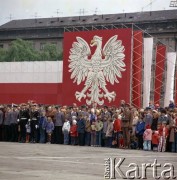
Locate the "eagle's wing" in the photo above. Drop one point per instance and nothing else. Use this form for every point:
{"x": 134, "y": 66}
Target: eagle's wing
{"x": 113, "y": 63}
{"x": 79, "y": 64}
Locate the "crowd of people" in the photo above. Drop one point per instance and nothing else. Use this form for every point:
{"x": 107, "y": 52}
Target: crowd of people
{"x": 151, "y": 129}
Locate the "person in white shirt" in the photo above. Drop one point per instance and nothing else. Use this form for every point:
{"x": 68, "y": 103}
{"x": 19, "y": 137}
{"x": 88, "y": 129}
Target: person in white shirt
{"x": 66, "y": 129}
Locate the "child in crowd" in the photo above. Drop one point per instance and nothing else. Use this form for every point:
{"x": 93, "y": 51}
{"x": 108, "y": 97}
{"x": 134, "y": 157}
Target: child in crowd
{"x": 121, "y": 141}
{"x": 163, "y": 134}
{"x": 147, "y": 136}
{"x": 66, "y": 130}
{"x": 73, "y": 132}
{"x": 155, "y": 140}
{"x": 28, "y": 131}
{"x": 98, "y": 129}
{"x": 49, "y": 129}
{"x": 93, "y": 134}
{"x": 135, "y": 121}
{"x": 117, "y": 128}
{"x": 133, "y": 141}
{"x": 140, "y": 127}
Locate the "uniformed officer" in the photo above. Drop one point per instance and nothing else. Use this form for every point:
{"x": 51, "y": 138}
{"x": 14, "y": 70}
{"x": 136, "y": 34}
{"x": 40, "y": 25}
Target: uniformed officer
{"x": 34, "y": 117}
{"x": 23, "y": 118}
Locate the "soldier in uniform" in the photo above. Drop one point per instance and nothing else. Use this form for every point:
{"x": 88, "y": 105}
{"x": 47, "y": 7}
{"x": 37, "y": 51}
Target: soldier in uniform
{"x": 13, "y": 124}
{"x": 127, "y": 119}
{"x": 34, "y": 117}
{"x": 23, "y": 118}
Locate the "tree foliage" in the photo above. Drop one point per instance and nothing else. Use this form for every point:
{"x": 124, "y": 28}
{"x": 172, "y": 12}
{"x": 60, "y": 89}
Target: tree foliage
{"x": 21, "y": 50}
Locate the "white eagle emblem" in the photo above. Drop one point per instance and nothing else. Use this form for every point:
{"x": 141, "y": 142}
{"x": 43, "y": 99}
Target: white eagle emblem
{"x": 104, "y": 65}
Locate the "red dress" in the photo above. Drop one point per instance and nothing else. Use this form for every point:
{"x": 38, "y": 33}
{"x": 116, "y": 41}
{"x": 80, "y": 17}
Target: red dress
{"x": 73, "y": 131}
{"x": 117, "y": 125}
{"x": 155, "y": 139}
{"x": 162, "y": 130}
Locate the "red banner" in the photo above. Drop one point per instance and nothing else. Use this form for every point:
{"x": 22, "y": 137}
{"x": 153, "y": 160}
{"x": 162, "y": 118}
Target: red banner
{"x": 42, "y": 93}
{"x": 97, "y": 67}
{"x": 159, "y": 70}
{"x": 137, "y": 68}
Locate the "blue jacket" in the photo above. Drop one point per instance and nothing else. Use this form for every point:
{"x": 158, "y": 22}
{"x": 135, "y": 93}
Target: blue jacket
{"x": 49, "y": 127}
{"x": 81, "y": 126}
{"x": 171, "y": 105}
{"x": 42, "y": 122}
{"x": 140, "y": 128}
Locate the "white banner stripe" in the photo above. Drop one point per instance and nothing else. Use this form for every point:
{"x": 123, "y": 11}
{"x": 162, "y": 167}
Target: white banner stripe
{"x": 169, "y": 89}
{"x": 148, "y": 51}
{"x": 31, "y": 72}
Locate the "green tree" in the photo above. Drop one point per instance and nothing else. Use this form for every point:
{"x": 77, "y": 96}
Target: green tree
{"x": 3, "y": 55}
{"x": 50, "y": 53}
{"x": 22, "y": 50}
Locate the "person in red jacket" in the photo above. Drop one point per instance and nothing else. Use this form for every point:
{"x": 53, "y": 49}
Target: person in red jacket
{"x": 155, "y": 140}
{"x": 73, "y": 132}
{"x": 163, "y": 134}
{"x": 117, "y": 128}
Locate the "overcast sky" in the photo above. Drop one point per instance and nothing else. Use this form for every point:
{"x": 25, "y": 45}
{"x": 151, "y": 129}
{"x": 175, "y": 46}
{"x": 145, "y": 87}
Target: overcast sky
{"x": 27, "y": 9}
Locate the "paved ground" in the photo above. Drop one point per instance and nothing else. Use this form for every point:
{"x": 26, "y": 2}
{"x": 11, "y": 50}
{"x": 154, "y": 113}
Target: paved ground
{"x": 60, "y": 162}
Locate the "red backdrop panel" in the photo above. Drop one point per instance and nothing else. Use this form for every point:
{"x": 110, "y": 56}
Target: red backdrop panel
{"x": 137, "y": 68}
{"x": 45, "y": 93}
{"x": 122, "y": 89}
{"x": 159, "y": 70}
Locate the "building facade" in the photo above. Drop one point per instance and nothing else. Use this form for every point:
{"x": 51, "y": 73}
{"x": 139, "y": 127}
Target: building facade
{"x": 160, "y": 24}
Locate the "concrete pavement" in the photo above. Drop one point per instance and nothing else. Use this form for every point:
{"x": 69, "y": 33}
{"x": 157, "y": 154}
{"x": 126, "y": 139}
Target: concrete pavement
{"x": 61, "y": 162}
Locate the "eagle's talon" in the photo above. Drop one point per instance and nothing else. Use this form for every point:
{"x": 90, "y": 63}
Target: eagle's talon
{"x": 80, "y": 95}
{"x": 110, "y": 96}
